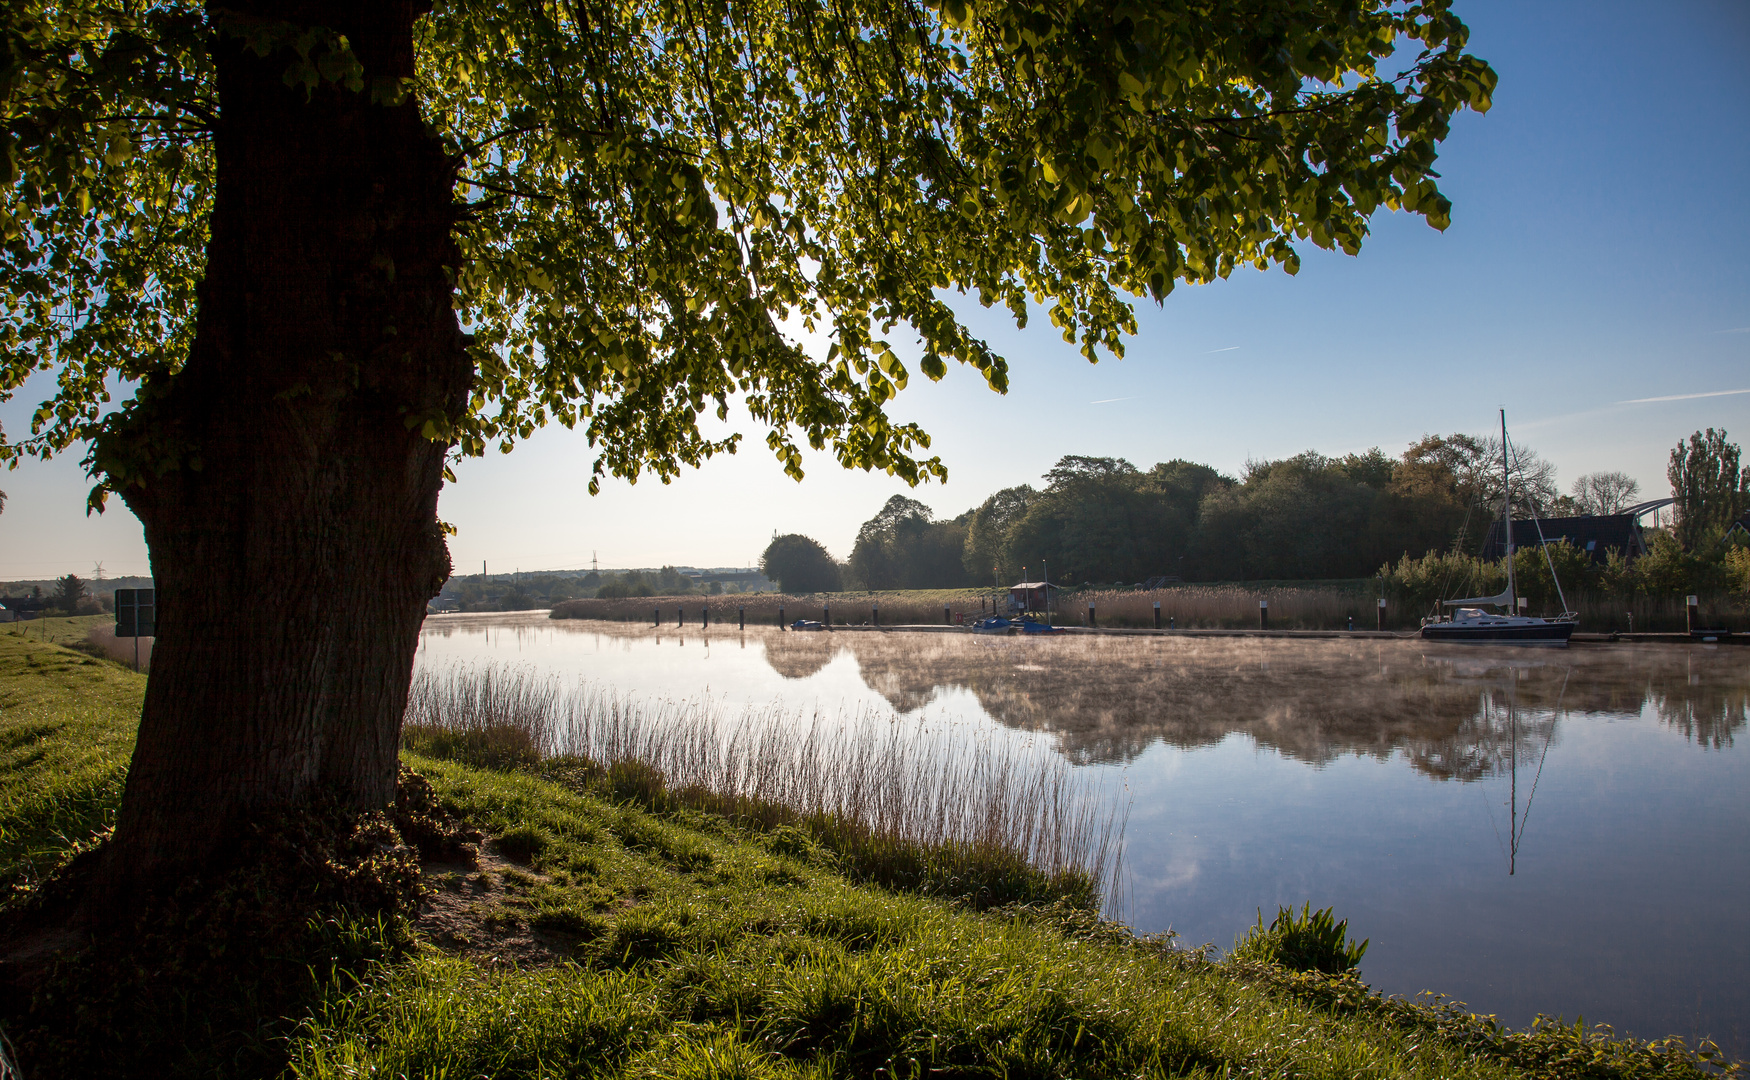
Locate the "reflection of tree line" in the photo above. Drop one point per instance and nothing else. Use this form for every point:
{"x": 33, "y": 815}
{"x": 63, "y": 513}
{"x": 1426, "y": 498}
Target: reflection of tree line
{"x": 1107, "y": 699}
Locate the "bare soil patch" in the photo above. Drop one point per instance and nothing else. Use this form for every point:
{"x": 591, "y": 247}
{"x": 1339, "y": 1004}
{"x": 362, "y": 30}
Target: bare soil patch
{"x": 467, "y": 911}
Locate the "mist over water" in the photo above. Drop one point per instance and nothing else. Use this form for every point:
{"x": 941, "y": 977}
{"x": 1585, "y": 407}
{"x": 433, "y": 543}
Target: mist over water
{"x": 1523, "y": 830}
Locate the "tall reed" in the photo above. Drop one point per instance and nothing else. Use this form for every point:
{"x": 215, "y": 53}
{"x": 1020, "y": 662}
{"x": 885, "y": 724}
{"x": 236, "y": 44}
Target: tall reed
{"x": 102, "y": 640}
{"x": 934, "y": 814}
{"x": 1226, "y": 607}
{"x": 914, "y": 607}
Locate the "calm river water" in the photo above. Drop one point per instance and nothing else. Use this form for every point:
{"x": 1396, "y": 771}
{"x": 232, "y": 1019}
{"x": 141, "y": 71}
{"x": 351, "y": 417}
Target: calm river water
{"x": 1526, "y": 831}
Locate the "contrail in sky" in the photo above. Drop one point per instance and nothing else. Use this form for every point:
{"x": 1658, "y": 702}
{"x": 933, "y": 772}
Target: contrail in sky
{"x": 1683, "y": 397}
{"x": 1735, "y": 330}
{"x": 1230, "y": 348}
{"x": 1110, "y": 400}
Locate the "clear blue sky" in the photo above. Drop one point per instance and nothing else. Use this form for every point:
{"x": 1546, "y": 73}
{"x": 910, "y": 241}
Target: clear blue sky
{"x": 1599, "y": 254}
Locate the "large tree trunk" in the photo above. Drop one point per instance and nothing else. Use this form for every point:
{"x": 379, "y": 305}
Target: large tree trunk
{"x": 294, "y": 533}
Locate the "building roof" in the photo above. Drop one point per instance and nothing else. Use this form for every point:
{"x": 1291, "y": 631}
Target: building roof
{"x": 1594, "y": 535}
{"x": 1032, "y": 585}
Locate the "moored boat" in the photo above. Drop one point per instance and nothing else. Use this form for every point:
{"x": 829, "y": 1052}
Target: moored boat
{"x": 993, "y": 624}
{"x": 1475, "y": 625}
{"x": 1469, "y": 623}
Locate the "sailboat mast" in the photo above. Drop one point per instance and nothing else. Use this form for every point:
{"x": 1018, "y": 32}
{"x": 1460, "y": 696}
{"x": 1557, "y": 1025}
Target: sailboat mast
{"x": 1513, "y": 790}
{"x": 1507, "y": 518}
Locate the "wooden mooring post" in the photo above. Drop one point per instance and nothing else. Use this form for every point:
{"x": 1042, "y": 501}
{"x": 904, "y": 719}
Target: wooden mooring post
{"x": 780, "y": 616}
{"x": 947, "y": 615}
{"x": 1382, "y": 613}
{"x": 1091, "y": 621}
{"x": 826, "y": 616}
{"x": 705, "y": 618}
{"x": 680, "y": 616}
{"x": 656, "y": 617}
{"x": 1692, "y": 613}
{"x": 741, "y": 618}
{"x": 875, "y": 615}
{"x": 1157, "y": 614}
{"x": 1263, "y": 614}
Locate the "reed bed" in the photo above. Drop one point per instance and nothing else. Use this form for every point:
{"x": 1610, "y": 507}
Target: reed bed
{"x": 1600, "y": 612}
{"x": 1226, "y": 607}
{"x": 927, "y": 813}
{"x": 1293, "y": 606}
{"x": 910, "y": 608}
{"x": 1603, "y": 612}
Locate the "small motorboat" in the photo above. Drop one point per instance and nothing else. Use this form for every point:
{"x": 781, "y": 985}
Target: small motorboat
{"x": 1028, "y": 626}
{"x": 993, "y": 624}
{"x": 808, "y": 624}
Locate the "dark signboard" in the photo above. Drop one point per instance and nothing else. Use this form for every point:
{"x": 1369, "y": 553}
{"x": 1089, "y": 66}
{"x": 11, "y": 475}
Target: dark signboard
{"x": 136, "y": 612}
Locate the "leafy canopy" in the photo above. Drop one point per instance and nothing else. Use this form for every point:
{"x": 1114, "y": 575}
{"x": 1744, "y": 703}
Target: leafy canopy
{"x": 799, "y": 564}
{"x": 660, "y": 198}
{"x": 1710, "y": 488}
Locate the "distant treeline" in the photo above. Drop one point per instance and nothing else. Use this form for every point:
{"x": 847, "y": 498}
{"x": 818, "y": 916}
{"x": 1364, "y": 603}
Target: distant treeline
{"x": 1105, "y": 520}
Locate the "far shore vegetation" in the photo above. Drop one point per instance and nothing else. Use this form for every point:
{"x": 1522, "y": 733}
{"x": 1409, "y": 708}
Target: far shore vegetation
{"x": 582, "y": 912}
{"x": 1306, "y": 517}
{"x": 1645, "y": 596}
{"x": 1322, "y": 538}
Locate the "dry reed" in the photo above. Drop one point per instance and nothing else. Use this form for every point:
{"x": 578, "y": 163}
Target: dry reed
{"x": 102, "y": 640}
{"x": 1293, "y": 606}
{"x": 1226, "y": 607}
{"x": 931, "y": 813}
{"x": 916, "y": 607}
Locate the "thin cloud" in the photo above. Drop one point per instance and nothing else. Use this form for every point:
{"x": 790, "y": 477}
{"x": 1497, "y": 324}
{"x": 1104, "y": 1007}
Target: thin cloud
{"x": 1110, "y": 400}
{"x": 1683, "y": 397}
{"x": 1230, "y": 348}
{"x": 1735, "y": 330}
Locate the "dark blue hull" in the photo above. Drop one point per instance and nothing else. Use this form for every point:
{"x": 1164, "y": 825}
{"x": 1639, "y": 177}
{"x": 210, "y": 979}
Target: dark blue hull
{"x": 1553, "y": 633}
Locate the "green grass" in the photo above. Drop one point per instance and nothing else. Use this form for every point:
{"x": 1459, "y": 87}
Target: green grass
{"x": 899, "y": 811}
{"x": 702, "y": 951}
{"x": 67, "y": 725}
{"x": 686, "y": 945}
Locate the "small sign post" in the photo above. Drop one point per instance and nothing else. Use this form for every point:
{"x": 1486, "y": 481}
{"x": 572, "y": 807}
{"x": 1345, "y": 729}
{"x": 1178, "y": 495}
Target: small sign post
{"x": 136, "y": 616}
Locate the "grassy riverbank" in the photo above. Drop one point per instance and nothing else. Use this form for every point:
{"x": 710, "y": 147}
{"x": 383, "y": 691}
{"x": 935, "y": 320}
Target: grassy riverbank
{"x": 608, "y": 930}
{"x": 66, "y": 729}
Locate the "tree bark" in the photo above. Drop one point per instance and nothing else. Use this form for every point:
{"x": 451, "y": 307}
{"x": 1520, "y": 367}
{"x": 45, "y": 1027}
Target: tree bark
{"x": 291, "y": 504}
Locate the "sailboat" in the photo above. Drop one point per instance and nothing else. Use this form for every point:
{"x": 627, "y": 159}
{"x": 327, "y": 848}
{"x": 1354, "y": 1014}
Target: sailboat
{"x": 1468, "y": 622}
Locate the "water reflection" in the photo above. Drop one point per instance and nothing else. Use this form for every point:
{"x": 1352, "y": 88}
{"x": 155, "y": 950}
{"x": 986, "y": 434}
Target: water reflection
{"x": 1108, "y": 699}
{"x": 1527, "y": 831}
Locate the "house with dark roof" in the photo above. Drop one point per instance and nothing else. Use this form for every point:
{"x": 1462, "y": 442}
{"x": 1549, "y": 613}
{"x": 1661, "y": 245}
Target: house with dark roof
{"x": 1596, "y": 536}
{"x": 22, "y": 607}
{"x": 1740, "y": 530}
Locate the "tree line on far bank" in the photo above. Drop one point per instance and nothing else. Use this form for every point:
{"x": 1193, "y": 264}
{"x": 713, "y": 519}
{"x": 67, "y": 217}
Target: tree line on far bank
{"x": 1103, "y": 520}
